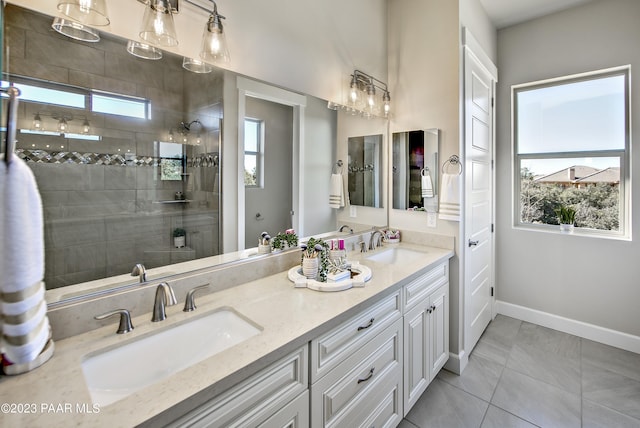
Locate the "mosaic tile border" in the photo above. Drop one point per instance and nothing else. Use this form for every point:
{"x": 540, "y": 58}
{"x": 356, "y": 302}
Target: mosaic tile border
{"x": 43, "y": 156}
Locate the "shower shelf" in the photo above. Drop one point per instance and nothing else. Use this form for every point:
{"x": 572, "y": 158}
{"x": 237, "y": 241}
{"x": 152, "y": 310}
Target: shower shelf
{"x": 174, "y": 201}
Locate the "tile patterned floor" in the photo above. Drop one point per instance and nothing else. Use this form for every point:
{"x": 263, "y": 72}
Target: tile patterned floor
{"x": 525, "y": 375}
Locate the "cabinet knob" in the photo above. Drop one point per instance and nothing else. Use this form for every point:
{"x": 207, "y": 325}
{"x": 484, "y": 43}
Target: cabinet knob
{"x": 368, "y": 325}
{"x": 433, "y": 308}
{"x": 369, "y": 376}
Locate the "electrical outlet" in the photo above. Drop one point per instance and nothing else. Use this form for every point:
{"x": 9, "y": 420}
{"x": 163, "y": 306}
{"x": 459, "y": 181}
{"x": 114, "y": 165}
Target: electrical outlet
{"x": 352, "y": 211}
{"x": 431, "y": 219}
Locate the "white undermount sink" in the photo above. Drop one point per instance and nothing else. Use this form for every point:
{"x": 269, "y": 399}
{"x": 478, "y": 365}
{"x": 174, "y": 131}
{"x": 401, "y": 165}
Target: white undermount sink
{"x": 394, "y": 256}
{"x": 116, "y": 373}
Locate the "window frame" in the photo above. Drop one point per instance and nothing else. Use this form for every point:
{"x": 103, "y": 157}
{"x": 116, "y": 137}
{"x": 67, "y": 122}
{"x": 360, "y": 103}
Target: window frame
{"x": 624, "y": 230}
{"x": 259, "y": 154}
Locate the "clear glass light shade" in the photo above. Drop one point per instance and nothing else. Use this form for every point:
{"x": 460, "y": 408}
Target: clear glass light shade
{"x": 62, "y": 125}
{"x": 196, "y": 66}
{"x": 143, "y": 50}
{"x": 75, "y": 30}
{"x": 86, "y": 126}
{"x": 37, "y": 123}
{"x": 214, "y": 43}
{"x": 157, "y": 25}
{"x": 88, "y": 12}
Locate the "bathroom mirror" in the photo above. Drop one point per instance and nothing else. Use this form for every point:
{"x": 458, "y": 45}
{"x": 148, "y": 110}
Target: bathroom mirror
{"x": 128, "y": 159}
{"x": 364, "y": 168}
{"x": 415, "y": 170}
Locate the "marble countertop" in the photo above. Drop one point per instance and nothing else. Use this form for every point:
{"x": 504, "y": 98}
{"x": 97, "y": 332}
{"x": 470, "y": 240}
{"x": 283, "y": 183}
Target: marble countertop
{"x": 55, "y": 395}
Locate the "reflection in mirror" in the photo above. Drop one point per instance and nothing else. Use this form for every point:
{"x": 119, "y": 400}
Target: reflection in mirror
{"x": 415, "y": 170}
{"x": 125, "y": 151}
{"x": 126, "y": 155}
{"x": 365, "y": 170}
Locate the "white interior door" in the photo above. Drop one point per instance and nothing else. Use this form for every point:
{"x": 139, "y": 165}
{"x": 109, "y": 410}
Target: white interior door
{"x": 478, "y": 218}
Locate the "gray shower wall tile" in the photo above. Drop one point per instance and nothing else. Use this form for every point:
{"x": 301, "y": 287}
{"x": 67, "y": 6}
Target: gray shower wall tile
{"x": 64, "y": 53}
{"x": 85, "y": 260}
{"x": 68, "y": 176}
{"x": 165, "y": 100}
{"x": 135, "y": 70}
{"x": 18, "y": 38}
{"x": 121, "y": 178}
{"x": 38, "y": 70}
{"x": 61, "y": 234}
{"x": 93, "y": 81}
{"x": 137, "y": 227}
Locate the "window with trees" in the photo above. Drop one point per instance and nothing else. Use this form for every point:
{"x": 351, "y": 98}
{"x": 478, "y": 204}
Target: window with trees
{"x": 252, "y": 152}
{"x": 571, "y": 144}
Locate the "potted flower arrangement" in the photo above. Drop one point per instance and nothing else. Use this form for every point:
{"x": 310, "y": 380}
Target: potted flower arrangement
{"x": 566, "y": 218}
{"x": 179, "y": 235}
{"x": 284, "y": 240}
{"x": 315, "y": 259}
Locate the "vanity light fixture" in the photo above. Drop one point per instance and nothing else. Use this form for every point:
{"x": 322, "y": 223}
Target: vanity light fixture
{"x": 62, "y": 124}
{"x": 37, "y": 123}
{"x": 86, "y": 12}
{"x": 196, "y": 66}
{"x": 157, "y": 24}
{"x": 86, "y": 126}
{"x": 143, "y": 50}
{"x": 214, "y": 43}
{"x": 75, "y": 30}
{"x": 362, "y": 97}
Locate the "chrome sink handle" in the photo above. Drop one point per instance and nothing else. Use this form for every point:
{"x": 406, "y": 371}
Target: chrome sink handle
{"x": 164, "y": 297}
{"x": 125, "y": 320}
{"x": 189, "y": 301}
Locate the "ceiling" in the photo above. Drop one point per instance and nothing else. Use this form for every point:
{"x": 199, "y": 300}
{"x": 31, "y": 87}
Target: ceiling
{"x": 504, "y": 13}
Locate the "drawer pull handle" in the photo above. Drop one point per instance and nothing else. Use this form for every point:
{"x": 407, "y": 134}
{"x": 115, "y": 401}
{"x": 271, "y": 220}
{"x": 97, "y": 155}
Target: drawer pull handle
{"x": 369, "y": 376}
{"x": 368, "y": 325}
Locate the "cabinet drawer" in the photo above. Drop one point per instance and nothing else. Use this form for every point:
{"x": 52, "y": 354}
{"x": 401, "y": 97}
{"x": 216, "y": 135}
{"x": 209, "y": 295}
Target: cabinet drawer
{"x": 421, "y": 287}
{"x": 293, "y": 415}
{"x": 255, "y": 399}
{"x": 356, "y": 389}
{"x": 328, "y": 350}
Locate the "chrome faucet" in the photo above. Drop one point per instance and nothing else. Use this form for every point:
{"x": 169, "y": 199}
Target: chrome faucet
{"x": 164, "y": 297}
{"x": 139, "y": 270}
{"x": 373, "y": 243}
{"x": 346, "y": 226}
{"x": 125, "y": 325}
{"x": 189, "y": 301}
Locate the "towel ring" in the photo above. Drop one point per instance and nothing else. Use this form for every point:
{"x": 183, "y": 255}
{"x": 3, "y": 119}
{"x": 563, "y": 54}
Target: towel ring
{"x": 424, "y": 171}
{"x": 337, "y": 168}
{"x": 453, "y": 160}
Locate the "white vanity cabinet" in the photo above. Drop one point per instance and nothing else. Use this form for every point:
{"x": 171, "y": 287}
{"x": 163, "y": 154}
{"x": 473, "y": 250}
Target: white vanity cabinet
{"x": 426, "y": 331}
{"x": 357, "y": 370}
{"x": 275, "y": 397}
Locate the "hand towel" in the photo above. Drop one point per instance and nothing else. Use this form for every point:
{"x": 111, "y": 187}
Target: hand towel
{"x": 450, "y": 197}
{"x": 336, "y": 191}
{"x": 427, "y": 185}
{"x": 25, "y": 326}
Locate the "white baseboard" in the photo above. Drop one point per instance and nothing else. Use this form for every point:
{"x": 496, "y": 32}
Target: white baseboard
{"x": 578, "y": 328}
{"x": 457, "y": 362}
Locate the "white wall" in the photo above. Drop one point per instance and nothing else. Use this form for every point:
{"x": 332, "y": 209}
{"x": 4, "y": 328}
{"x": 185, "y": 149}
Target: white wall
{"x": 424, "y": 44}
{"x": 594, "y": 281}
{"x": 304, "y": 45}
{"x": 475, "y": 19}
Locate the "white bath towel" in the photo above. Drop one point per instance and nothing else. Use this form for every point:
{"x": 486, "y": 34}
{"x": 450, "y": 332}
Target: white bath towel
{"x": 450, "y": 197}
{"x": 25, "y": 327}
{"x": 336, "y": 191}
{"x": 427, "y": 185}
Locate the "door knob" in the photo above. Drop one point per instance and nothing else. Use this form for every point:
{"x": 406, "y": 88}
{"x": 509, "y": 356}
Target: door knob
{"x": 473, "y": 243}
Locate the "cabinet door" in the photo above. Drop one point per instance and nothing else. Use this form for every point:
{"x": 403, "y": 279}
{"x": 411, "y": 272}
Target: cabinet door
{"x": 439, "y": 305}
{"x": 293, "y": 415}
{"x": 417, "y": 368}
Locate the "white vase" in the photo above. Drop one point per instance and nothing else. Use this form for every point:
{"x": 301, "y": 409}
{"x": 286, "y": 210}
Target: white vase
{"x": 566, "y": 228}
{"x": 310, "y": 267}
{"x": 178, "y": 241}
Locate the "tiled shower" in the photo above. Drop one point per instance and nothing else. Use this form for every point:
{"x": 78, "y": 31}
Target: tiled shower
{"x": 107, "y": 205}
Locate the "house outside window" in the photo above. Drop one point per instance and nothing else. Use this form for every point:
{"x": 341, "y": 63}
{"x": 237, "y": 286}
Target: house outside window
{"x": 571, "y": 148}
{"x": 253, "y": 148}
